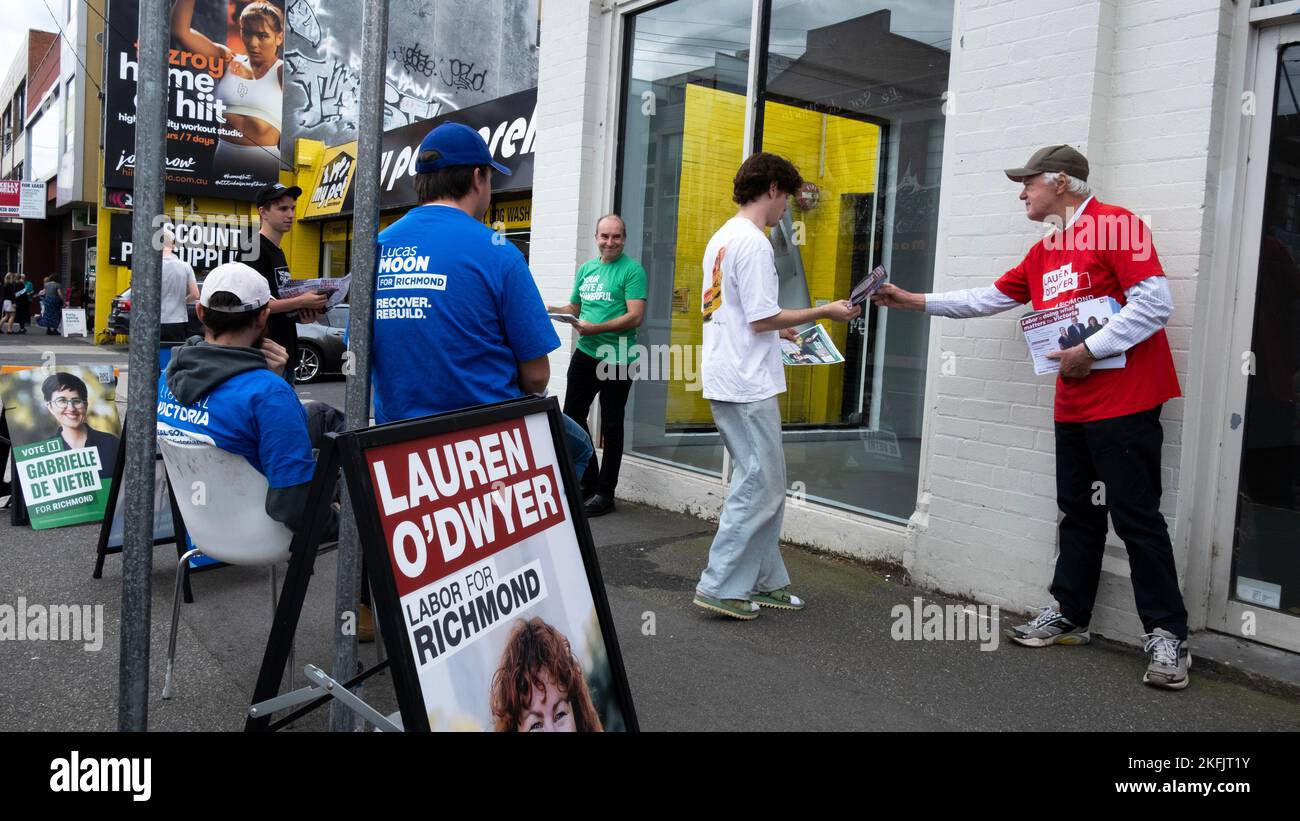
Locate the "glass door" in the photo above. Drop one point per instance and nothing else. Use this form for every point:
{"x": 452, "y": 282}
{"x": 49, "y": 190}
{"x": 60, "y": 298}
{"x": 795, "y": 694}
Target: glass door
{"x": 1257, "y": 586}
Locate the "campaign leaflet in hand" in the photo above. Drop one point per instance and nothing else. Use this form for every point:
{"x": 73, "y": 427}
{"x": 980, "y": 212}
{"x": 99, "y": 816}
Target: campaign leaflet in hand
{"x": 335, "y": 289}
{"x": 568, "y": 319}
{"x": 869, "y": 285}
{"x": 1055, "y": 329}
{"x": 813, "y": 346}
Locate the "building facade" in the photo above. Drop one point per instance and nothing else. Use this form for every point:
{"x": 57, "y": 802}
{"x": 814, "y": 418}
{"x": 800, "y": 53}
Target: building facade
{"x": 432, "y": 70}
{"x": 932, "y": 445}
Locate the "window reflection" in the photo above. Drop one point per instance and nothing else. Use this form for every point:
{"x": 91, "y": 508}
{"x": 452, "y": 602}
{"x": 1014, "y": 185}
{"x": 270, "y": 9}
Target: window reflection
{"x": 852, "y": 93}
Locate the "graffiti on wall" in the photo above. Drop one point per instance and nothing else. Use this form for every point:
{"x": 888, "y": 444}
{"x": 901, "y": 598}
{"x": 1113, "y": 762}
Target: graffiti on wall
{"x": 323, "y": 64}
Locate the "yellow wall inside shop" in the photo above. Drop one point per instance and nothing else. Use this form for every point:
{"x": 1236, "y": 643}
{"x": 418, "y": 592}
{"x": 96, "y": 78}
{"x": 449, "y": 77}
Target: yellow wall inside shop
{"x": 301, "y": 245}
{"x": 841, "y": 156}
{"x": 713, "y": 131}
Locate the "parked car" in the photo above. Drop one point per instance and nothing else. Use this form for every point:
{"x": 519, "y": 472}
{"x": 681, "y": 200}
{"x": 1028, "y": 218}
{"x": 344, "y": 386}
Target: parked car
{"x": 320, "y": 345}
{"x": 119, "y": 316}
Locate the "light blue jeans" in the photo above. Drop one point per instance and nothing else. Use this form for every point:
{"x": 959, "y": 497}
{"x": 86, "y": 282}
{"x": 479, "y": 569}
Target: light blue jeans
{"x": 745, "y": 556}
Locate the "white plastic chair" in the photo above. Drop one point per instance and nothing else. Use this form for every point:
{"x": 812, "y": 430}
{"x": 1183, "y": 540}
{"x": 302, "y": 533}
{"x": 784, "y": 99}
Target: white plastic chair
{"x": 222, "y": 500}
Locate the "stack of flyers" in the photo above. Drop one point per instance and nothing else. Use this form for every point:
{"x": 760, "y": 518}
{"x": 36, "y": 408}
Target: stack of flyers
{"x": 869, "y": 285}
{"x": 1065, "y": 326}
{"x": 335, "y": 289}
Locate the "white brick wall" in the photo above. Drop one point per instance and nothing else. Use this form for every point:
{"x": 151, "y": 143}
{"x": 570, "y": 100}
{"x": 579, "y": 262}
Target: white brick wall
{"x": 1129, "y": 84}
{"x": 568, "y": 175}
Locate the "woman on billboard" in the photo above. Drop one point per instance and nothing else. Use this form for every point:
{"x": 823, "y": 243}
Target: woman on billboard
{"x": 251, "y": 87}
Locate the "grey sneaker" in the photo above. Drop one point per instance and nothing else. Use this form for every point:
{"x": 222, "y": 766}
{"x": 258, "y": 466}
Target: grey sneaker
{"x": 1170, "y": 660}
{"x": 1049, "y": 627}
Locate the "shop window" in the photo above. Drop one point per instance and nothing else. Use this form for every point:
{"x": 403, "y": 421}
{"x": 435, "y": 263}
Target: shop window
{"x": 853, "y": 96}
{"x": 852, "y": 93}
{"x": 335, "y": 248}
{"x": 683, "y": 127}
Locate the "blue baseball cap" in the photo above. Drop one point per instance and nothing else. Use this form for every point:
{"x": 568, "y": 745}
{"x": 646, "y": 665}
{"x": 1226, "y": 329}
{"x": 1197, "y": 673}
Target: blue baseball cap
{"x": 455, "y": 144}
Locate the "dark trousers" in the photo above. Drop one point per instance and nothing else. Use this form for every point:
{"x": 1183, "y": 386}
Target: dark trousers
{"x": 172, "y": 332}
{"x": 1113, "y": 466}
{"x": 585, "y": 383}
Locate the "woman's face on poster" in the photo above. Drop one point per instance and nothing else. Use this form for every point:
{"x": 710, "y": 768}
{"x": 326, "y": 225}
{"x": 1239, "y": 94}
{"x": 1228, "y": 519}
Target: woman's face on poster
{"x": 261, "y": 42}
{"x": 548, "y": 711}
{"x": 68, "y": 408}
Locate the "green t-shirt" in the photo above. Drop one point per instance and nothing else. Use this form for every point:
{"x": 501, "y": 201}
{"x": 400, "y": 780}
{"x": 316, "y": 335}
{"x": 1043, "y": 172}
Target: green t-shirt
{"x": 601, "y": 291}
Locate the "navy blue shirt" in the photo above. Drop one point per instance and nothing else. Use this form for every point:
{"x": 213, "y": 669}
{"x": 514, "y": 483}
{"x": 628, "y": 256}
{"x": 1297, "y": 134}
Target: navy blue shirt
{"x": 456, "y": 311}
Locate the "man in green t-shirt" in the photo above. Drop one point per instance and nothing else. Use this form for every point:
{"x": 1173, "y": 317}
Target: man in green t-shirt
{"x": 609, "y": 300}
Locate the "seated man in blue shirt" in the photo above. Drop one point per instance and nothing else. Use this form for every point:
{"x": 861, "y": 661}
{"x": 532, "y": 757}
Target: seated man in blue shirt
{"x": 228, "y": 391}
{"x": 459, "y": 321}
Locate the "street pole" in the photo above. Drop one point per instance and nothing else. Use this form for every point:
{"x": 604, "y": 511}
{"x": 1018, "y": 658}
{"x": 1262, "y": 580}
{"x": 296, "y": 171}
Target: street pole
{"x": 142, "y": 368}
{"x": 365, "y": 229}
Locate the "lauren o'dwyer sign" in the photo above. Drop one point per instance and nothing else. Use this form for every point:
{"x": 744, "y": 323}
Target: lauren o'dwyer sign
{"x": 65, "y": 432}
{"x": 482, "y": 569}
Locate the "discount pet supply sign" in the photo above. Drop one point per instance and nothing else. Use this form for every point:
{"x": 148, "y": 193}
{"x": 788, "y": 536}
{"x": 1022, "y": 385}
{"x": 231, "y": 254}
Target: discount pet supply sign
{"x": 488, "y": 588}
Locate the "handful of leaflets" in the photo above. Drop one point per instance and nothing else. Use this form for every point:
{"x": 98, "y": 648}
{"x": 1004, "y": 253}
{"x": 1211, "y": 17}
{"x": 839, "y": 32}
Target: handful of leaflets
{"x": 1055, "y": 329}
{"x": 869, "y": 285}
{"x": 568, "y": 319}
{"x": 335, "y": 289}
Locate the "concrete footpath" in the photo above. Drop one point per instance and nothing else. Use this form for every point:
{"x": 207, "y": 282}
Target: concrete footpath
{"x": 833, "y": 666}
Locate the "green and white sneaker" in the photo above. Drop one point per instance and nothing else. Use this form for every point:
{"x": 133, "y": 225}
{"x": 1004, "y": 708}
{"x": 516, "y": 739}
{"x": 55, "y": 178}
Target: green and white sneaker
{"x": 1170, "y": 663}
{"x": 781, "y": 599}
{"x": 742, "y": 609}
{"x": 1047, "y": 628}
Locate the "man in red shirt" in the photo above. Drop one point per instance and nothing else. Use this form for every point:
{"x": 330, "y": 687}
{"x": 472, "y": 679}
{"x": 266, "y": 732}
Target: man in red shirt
{"x": 1108, "y": 434}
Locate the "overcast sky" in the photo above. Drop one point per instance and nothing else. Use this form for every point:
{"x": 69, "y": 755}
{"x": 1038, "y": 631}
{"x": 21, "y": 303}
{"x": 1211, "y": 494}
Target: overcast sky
{"x": 17, "y": 19}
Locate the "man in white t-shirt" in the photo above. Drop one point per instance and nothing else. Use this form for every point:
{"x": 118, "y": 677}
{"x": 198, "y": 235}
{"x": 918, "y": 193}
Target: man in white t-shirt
{"x": 742, "y": 376}
{"x": 178, "y": 289}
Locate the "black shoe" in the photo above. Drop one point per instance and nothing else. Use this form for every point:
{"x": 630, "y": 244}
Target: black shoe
{"x": 599, "y": 506}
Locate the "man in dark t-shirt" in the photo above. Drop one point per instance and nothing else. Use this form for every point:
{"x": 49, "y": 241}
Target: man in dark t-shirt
{"x": 276, "y": 206}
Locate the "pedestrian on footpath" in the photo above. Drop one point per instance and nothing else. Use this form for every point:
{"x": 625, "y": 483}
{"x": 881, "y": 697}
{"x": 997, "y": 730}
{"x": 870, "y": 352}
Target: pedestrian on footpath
{"x": 51, "y": 307}
{"x": 8, "y": 308}
{"x": 179, "y": 288}
{"x": 23, "y": 303}
{"x": 276, "y": 209}
{"x": 609, "y": 300}
{"x": 1107, "y": 421}
{"x": 742, "y": 376}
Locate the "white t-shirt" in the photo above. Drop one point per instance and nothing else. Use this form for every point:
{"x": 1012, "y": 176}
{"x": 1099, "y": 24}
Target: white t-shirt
{"x": 176, "y": 278}
{"x": 740, "y": 287}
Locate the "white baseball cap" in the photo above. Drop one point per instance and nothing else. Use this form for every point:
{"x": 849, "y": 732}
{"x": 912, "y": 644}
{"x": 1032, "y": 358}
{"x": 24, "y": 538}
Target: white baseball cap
{"x": 239, "y": 279}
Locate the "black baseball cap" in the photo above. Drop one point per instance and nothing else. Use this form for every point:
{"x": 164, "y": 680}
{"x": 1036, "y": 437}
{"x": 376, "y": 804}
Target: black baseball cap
{"x": 1050, "y": 160}
{"x": 274, "y": 191}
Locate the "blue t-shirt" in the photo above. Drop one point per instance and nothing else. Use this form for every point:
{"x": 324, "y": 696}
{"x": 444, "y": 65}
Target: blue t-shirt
{"x": 455, "y": 314}
{"x": 254, "y": 414}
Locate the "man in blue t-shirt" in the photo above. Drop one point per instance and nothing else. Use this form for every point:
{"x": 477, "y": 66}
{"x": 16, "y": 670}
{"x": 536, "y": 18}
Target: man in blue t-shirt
{"x": 458, "y": 318}
{"x": 228, "y": 390}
